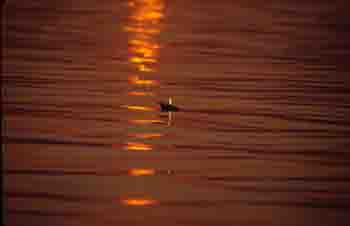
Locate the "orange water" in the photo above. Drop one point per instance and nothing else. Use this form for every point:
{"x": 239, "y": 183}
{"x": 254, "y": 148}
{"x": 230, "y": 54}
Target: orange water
{"x": 262, "y": 138}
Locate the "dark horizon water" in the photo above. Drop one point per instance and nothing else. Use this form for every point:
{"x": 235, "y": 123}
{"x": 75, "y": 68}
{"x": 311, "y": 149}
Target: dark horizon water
{"x": 262, "y": 137}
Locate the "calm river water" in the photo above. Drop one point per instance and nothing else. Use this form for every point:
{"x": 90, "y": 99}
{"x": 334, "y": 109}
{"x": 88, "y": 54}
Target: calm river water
{"x": 262, "y": 137}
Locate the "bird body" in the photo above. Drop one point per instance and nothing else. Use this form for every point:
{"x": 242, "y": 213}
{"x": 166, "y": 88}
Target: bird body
{"x": 168, "y": 107}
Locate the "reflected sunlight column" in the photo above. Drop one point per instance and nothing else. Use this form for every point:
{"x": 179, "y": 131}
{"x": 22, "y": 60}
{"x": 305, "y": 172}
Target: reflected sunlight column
{"x": 143, "y": 28}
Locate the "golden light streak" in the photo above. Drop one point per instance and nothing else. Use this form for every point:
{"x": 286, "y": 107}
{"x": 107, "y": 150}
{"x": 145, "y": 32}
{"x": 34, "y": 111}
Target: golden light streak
{"x": 134, "y": 146}
{"x": 147, "y": 135}
{"x": 147, "y": 52}
{"x": 139, "y": 42}
{"x": 145, "y": 25}
{"x": 145, "y": 121}
{"x": 139, "y": 202}
{"x": 142, "y": 172}
{"x": 137, "y": 81}
{"x": 138, "y": 60}
{"x": 148, "y": 10}
{"x": 149, "y": 16}
{"x": 141, "y": 30}
{"x": 144, "y": 68}
{"x": 138, "y": 108}
{"x": 138, "y": 93}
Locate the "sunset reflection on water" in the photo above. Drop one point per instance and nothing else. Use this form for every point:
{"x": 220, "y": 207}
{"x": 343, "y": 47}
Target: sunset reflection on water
{"x": 146, "y": 121}
{"x": 143, "y": 28}
{"x": 136, "y": 146}
{"x": 142, "y": 172}
{"x": 140, "y": 93}
{"x": 261, "y": 134}
{"x": 138, "y": 108}
{"x": 135, "y": 80}
{"x": 147, "y": 135}
{"x": 139, "y": 202}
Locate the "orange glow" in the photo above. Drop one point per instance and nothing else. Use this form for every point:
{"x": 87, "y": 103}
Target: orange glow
{"x": 134, "y": 146}
{"x": 147, "y": 135}
{"x": 142, "y": 30}
{"x": 138, "y": 60}
{"x": 147, "y": 52}
{"x": 134, "y": 93}
{"x": 145, "y": 121}
{"x": 137, "y": 81}
{"x": 139, "y": 202}
{"x": 145, "y": 25}
{"x": 144, "y": 68}
{"x": 139, "y": 42}
{"x": 153, "y": 16}
{"x": 138, "y": 108}
{"x": 131, "y": 4}
{"x": 148, "y": 10}
{"x": 142, "y": 172}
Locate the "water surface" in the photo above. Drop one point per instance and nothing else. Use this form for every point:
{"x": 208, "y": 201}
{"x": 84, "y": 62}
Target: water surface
{"x": 262, "y": 138}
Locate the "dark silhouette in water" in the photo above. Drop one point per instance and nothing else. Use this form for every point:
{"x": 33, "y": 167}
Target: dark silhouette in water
{"x": 168, "y": 107}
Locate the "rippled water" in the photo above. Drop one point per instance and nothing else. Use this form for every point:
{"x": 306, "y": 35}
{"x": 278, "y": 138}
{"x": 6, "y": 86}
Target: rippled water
{"x": 261, "y": 139}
